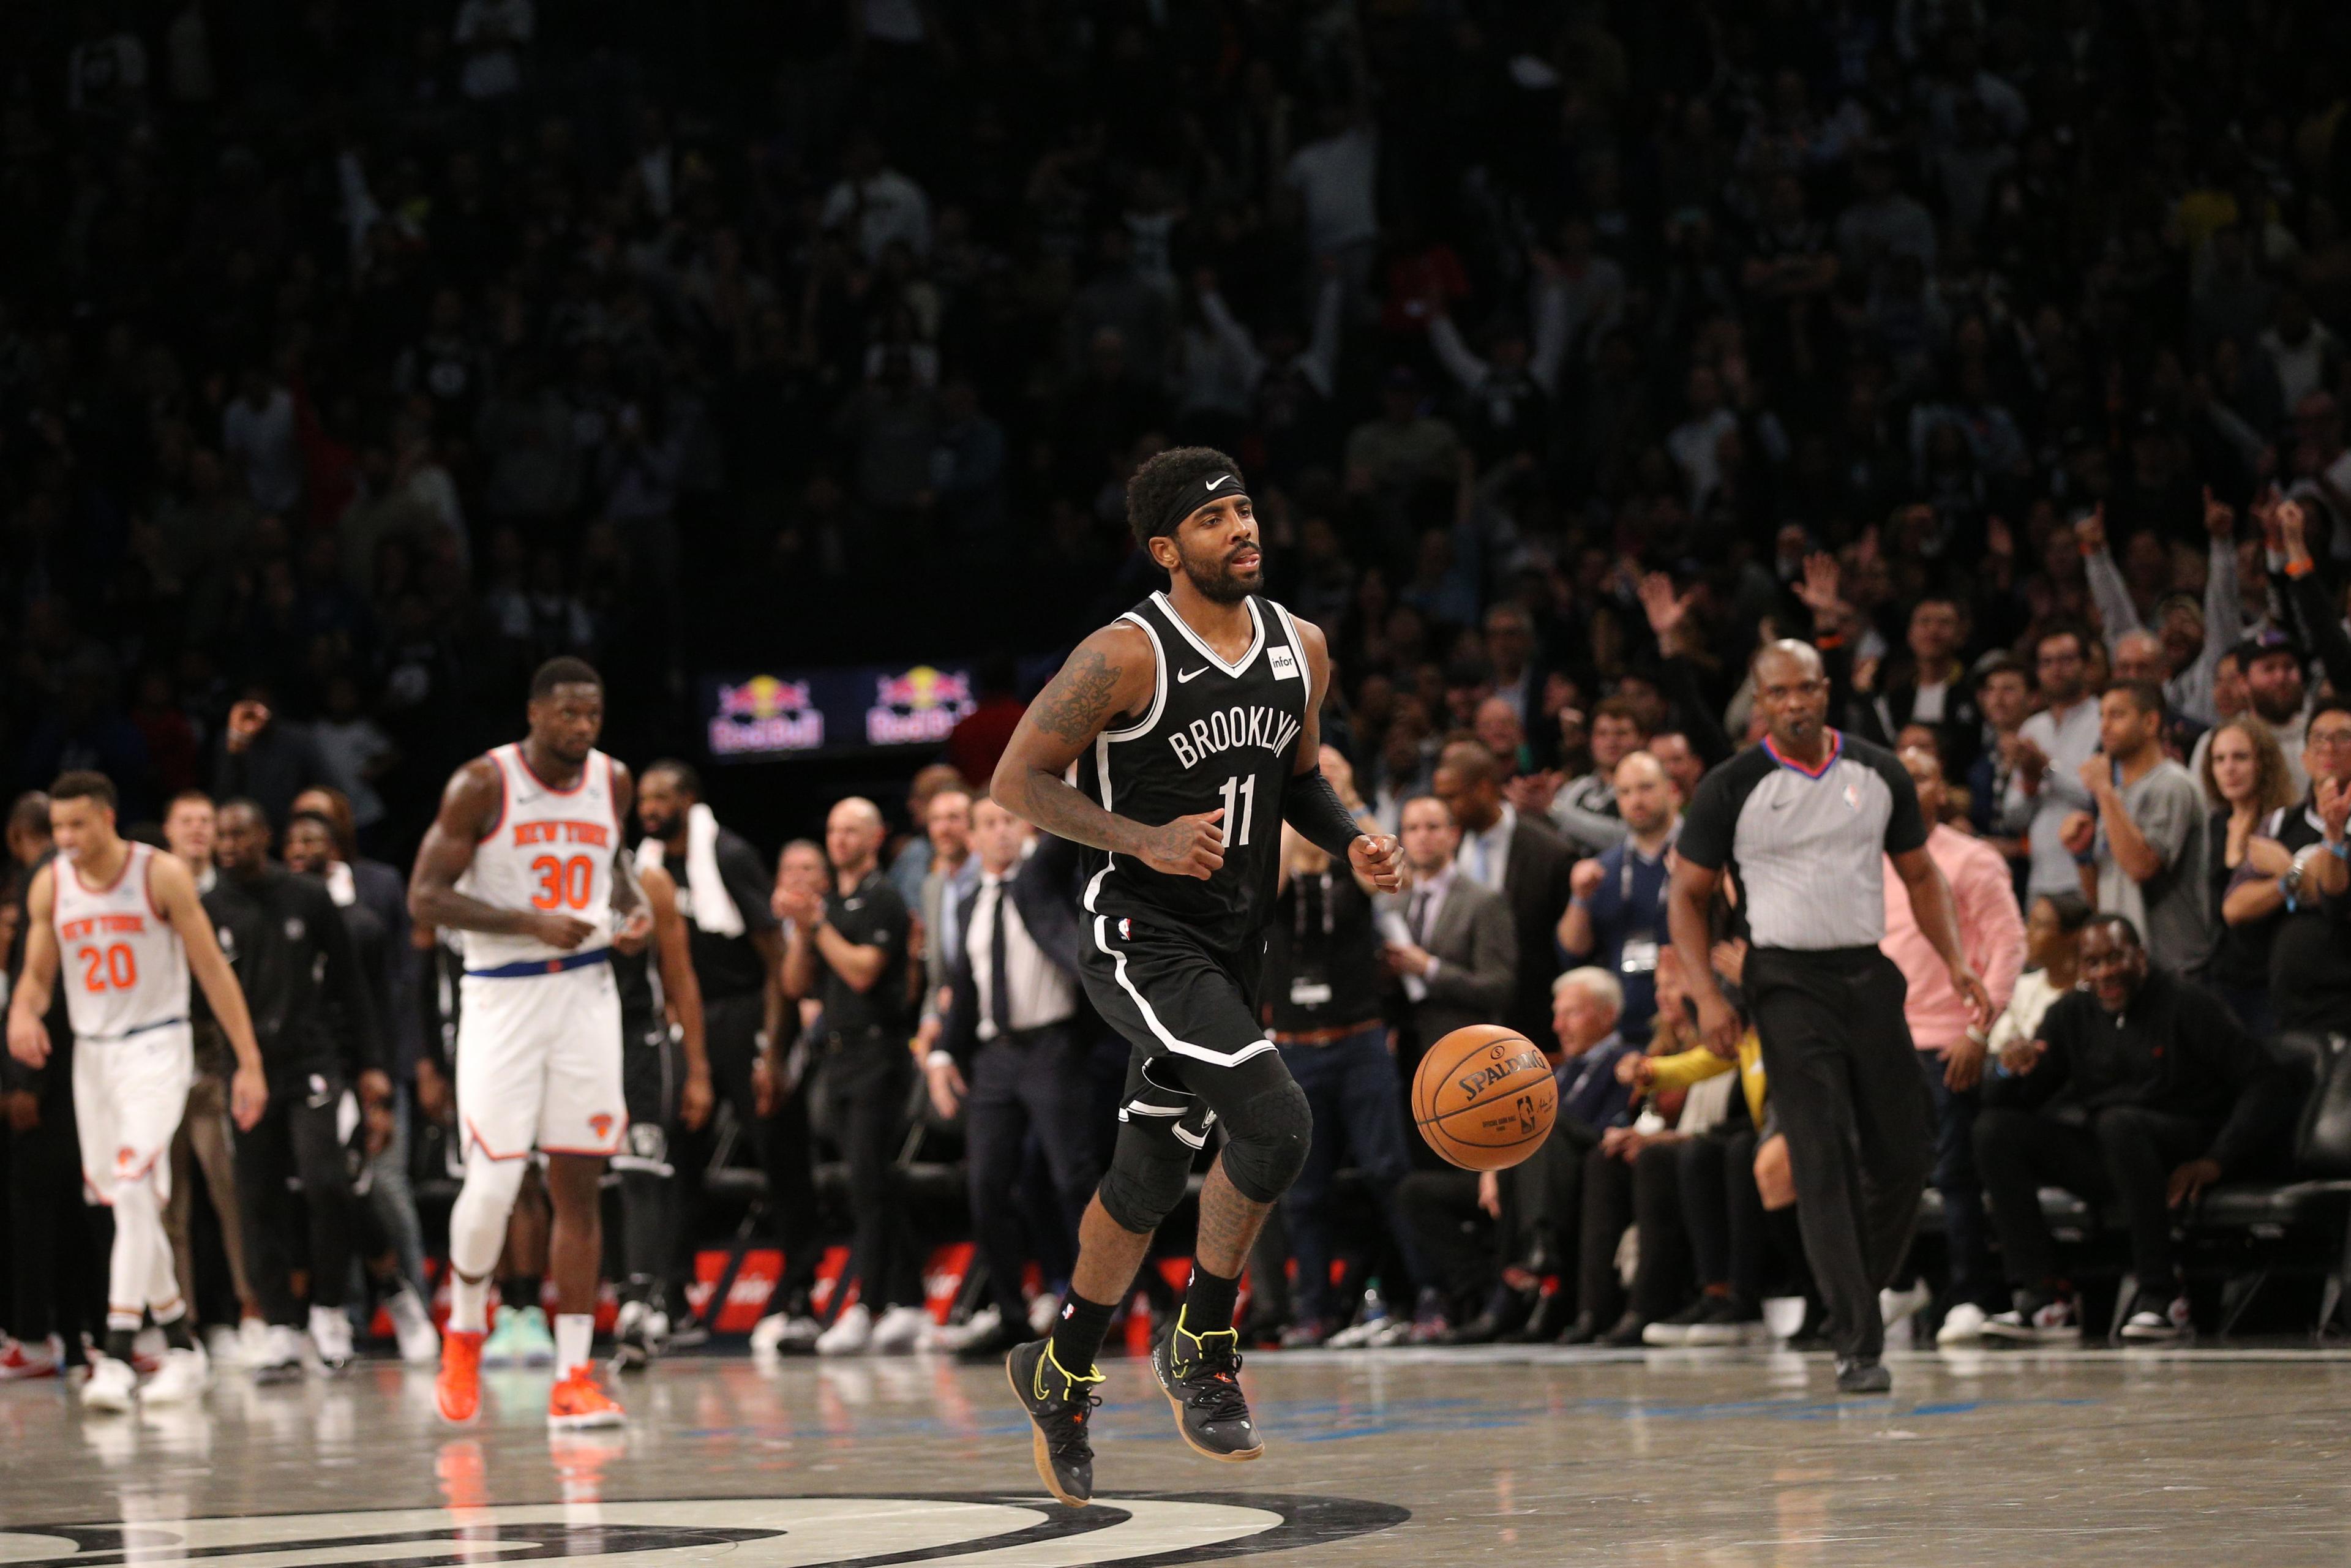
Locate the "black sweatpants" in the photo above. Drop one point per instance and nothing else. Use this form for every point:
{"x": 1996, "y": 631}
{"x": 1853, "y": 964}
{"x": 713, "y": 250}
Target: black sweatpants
{"x": 868, "y": 1079}
{"x": 295, "y": 1137}
{"x": 2125, "y": 1155}
{"x": 1028, "y": 1082}
{"x": 56, "y": 1251}
{"x": 1645, "y": 1192}
{"x": 1722, "y": 1211}
{"x": 1453, "y": 1235}
{"x": 1846, "y": 1091}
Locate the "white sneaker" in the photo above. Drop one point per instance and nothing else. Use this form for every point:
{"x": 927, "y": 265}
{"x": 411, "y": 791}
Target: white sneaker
{"x": 252, "y": 1341}
{"x": 1963, "y": 1324}
{"x": 1895, "y": 1307}
{"x": 2149, "y": 1326}
{"x": 221, "y": 1347}
{"x": 782, "y": 1333}
{"x": 849, "y": 1334}
{"x": 331, "y": 1331}
{"x": 900, "y": 1331}
{"x": 2052, "y": 1322}
{"x": 411, "y": 1325}
{"x": 1044, "y": 1312}
{"x": 280, "y": 1360}
{"x": 184, "y": 1375}
{"x": 982, "y": 1324}
{"x": 113, "y": 1385}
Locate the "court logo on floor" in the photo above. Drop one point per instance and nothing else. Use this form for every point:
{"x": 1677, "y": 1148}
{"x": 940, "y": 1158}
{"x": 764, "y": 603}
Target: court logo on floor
{"x": 753, "y": 1532}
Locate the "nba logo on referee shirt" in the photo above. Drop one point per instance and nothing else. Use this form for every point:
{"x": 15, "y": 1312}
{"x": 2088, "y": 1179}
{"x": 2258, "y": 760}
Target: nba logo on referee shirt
{"x": 1851, "y": 801}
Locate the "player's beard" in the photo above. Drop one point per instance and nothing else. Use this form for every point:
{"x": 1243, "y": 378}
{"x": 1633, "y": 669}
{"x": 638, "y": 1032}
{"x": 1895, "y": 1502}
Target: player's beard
{"x": 1216, "y": 581}
{"x": 662, "y": 827}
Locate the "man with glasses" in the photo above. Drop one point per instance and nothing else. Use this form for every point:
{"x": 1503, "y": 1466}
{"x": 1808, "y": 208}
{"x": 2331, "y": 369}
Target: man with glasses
{"x": 2044, "y": 786}
{"x": 2297, "y": 864}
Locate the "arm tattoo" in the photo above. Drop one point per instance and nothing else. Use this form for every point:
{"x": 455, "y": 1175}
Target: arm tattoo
{"x": 1072, "y": 708}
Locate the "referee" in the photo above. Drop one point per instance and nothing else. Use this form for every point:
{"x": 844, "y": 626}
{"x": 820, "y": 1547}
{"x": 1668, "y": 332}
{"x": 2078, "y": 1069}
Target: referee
{"x": 1799, "y": 820}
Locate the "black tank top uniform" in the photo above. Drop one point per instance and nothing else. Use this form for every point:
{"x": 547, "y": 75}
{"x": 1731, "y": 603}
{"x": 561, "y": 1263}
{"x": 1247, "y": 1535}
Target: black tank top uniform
{"x": 1172, "y": 961}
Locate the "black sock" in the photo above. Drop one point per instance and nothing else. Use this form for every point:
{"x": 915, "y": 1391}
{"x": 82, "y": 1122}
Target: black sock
{"x": 1078, "y": 1336}
{"x": 176, "y": 1334}
{"x": 1208, "y": 1301}
{"x": 519, "y": 1290}
{"x": 118, "y": 1345}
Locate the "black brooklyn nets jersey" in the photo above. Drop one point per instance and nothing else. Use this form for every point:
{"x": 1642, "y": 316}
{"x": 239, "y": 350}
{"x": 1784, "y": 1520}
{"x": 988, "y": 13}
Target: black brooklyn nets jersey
{"x": 1216, "y": 735}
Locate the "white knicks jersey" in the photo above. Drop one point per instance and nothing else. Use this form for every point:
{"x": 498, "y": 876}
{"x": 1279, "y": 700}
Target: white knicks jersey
{"x": 119, "y": 961}
{"x": 549, "y": 851}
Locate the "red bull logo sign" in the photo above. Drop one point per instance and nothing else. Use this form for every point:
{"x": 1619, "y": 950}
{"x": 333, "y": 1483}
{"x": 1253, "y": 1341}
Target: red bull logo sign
{"x": 921, "y": 706}
{"x": 763, "y": 714}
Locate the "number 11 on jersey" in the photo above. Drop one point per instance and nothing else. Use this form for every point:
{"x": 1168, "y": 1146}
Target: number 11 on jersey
{"x": 1244, "y": 786}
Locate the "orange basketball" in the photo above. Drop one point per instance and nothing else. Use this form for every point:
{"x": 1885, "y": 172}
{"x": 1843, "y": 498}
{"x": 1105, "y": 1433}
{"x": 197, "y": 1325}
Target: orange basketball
{"x": 1484, "y": 1097}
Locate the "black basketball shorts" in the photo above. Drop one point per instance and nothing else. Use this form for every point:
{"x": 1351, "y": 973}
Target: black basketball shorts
{"x": 1190, "y": 1017}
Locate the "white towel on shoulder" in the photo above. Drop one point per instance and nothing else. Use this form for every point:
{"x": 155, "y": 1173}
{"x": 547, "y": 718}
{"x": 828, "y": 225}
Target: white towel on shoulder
{"x": 712, "y": 907}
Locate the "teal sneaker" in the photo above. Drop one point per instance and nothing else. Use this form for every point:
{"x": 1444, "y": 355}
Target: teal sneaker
{"x": 519, "y": 1338}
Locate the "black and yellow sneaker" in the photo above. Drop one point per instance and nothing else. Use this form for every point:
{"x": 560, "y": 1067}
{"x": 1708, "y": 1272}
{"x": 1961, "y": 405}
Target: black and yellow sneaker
{"x": 1201, "y": 1374}
{"x": 1059, "y": 1404}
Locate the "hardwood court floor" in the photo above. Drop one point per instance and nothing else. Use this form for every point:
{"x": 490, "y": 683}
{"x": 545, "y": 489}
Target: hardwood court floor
{"x": 2234, "y": 1458}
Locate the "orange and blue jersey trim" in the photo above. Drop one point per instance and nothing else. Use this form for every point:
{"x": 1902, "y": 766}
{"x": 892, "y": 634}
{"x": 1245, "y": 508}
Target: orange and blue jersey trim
{"x": 1836, "y": 750}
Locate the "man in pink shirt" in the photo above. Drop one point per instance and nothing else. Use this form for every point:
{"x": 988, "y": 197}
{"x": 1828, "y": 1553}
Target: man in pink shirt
{"x": 1950, "y": 1050}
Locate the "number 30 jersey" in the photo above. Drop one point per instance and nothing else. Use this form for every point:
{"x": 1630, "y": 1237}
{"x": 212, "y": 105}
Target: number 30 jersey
{"x": 1215, "y": 734}
{"x": 551, "y": 850}
{"x": 119, "y": 961}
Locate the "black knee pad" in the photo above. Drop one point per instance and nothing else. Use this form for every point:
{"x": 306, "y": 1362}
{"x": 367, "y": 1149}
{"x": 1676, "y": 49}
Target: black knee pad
{"x": 1146, "y": 1176}
{"x": 1266, "y": 1139}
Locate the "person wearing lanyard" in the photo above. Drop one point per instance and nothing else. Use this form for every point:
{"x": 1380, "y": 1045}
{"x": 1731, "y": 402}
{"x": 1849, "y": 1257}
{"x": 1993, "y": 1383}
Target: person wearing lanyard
{"x": 1322, "y": 997}
{"x": 1618, "y": 913}
{"x": 851, "y": 949}
{"x": 1808, "y": 817}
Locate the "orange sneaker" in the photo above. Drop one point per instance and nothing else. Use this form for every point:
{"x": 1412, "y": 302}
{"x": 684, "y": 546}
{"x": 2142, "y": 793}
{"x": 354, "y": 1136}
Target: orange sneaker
{"x": 577, "y": 1402}
{"x": 458, "y": 1389}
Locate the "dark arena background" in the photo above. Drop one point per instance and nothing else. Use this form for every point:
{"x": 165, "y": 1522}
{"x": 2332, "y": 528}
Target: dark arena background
{"x": 789, "y": 363}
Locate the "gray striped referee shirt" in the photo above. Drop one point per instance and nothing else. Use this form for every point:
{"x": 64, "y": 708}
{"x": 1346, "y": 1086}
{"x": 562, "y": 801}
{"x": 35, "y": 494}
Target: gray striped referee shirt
{"x": 1806, "y": 845}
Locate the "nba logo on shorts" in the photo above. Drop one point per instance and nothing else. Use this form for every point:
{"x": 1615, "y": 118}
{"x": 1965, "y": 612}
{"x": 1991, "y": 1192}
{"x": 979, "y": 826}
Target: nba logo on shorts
{"x": 1126, "y": 930}
{"x": 126, "y": 1160}
{"x": 601, "y": 1124}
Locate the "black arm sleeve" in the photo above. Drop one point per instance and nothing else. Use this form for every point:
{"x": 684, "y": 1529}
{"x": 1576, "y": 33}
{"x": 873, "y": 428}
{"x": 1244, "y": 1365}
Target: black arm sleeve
{"x": 1315, "y": 808}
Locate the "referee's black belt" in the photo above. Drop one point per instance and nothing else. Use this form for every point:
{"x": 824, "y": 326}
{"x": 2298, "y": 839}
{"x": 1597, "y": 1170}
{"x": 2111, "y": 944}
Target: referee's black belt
{"x": 1843, "y": 955}
{"x": 853, "y": 1039}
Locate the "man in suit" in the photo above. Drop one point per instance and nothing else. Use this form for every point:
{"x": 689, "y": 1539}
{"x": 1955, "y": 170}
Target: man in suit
{"x": 1456, "y": 952}
{"x": 1521, "y": 858}
{"x": 954, "y": 873}
{"x": 1013, "y": 1050}
{"x": 1452, "y": 947}
{"x": 1931, "y": 688}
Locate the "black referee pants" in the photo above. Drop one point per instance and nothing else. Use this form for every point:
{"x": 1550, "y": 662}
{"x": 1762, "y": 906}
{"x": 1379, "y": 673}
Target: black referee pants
{"x": 1846, "y": 1087}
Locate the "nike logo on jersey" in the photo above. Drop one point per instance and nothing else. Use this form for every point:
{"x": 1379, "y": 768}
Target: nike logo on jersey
{"x": 1189, "y": 675}
{"x": 1220, "y": 479}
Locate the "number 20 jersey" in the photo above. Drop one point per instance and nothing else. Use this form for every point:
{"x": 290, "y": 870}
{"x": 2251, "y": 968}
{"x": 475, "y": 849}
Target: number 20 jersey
{"x": 1215, "y": 734}
{"x": 549, "y": 851}
{"x": 120, "y": 963}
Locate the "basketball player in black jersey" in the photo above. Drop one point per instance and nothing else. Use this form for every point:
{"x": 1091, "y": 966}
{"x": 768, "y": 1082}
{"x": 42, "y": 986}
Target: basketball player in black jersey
{"x": 1190, "y": 727}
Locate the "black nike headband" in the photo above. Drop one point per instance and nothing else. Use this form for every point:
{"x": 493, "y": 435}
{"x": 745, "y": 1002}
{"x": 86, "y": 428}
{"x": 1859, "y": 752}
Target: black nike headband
{"x": 1217, "y": 484}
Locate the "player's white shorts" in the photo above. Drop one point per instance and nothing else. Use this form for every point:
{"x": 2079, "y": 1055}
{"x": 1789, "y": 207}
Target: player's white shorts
{"x": 539, "y": 1063}
{"x": 129, "y": 1093}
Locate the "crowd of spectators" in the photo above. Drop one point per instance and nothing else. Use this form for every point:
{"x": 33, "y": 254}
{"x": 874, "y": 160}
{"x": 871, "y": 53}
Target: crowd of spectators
{"x": 353, "y": 362}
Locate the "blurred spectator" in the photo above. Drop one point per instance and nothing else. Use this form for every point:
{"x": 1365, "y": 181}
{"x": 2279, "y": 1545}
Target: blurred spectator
{"x": 2294, "y": 867}
{"x": 2246, "y": 780}
{"x": 1616, "y": 909}
{"x": 2141, "y": 1090}
{"x": 265, "y": 759}
{"x": 2142, "y": 855}
{"x": 1521, "y": 859}
{"x": 2045, "y": 787}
